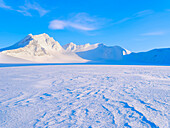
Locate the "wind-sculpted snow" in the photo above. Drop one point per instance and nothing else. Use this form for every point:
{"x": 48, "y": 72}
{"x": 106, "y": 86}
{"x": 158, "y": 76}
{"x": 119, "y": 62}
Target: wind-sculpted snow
{"x": 73, "y": 96}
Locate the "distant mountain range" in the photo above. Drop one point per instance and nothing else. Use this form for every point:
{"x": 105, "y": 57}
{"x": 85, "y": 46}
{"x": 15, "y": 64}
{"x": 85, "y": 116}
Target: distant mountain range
{"x": 44, "y": 49}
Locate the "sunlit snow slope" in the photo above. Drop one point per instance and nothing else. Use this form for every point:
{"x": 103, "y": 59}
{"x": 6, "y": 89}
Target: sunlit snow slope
{"x": 9, "y": 59}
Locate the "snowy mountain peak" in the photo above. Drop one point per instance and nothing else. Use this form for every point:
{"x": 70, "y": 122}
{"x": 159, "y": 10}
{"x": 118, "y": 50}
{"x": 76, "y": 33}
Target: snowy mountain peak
{"x": 44, "y": 35}
{"x": 86, "y": 45}
{"x": 30, "y": 35}
{"x": 42, "y": 41}
{"x": 71, "y": 47}
{"x": 41, "y": 48}
{"x": 72, "y": 43}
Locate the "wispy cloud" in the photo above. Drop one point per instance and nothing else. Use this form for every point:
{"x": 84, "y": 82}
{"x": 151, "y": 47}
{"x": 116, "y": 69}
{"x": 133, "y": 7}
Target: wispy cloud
{"x": 32, "y": 6}
{"x": 143, "y": 13}
{"x": 3, "y": 5}
{"x": 25, "y": 10}
{"x": 136, "y": 15}
{"x": 80, "y": 21}
{"x": 158, "y": 33}
{"x": 168, "y": 10}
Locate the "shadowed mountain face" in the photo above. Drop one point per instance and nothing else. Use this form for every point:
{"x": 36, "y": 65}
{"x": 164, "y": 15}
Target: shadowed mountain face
{"x": 103, "y": 53}
{"x": 97, "y": 52}
{"x": 155, "y": 56}
{"x": 19, "y": 44}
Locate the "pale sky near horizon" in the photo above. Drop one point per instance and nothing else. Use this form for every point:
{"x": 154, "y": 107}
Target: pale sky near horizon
{"x": 137, "y": 25}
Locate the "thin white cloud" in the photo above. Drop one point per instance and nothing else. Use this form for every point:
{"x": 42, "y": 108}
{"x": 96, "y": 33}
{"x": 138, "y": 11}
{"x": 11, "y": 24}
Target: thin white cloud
{"x": 143, "y": 13}
{"x": 57, "y": 24}
{"x": 80, "y": 21}
{"x": 123, "y": 20}
{"x": 136, "y": 15}
{"x": 3, "y": 5}
{"x": 168, "y": 10}
{"x": 32, "y": 6}
{"x": 158, "y": 33}
{"x": 25, "y": 10}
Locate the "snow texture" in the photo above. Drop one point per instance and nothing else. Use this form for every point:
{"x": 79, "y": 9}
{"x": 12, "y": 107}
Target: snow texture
{"x": 85, "y": 96}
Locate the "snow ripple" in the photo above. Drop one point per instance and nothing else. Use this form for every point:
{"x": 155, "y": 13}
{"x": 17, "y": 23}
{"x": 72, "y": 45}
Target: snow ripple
{"x": 84, "y": 96}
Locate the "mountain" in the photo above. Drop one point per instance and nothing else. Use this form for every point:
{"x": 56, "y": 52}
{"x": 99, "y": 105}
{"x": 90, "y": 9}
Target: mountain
{"x": 42, "y": 49}
{"x": 97, "y": 52}
{"x": 71, "y": 47}
{"x": 19, "y": 44}
{"x": 155, "y": 56}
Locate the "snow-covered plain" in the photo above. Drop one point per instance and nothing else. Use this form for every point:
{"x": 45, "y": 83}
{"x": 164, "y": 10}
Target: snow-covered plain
{"x": 84, "y": 96}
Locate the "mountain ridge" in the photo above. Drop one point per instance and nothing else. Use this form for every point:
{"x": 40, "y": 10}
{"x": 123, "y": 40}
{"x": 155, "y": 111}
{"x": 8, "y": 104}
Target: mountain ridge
{"x": 44, "y": 49}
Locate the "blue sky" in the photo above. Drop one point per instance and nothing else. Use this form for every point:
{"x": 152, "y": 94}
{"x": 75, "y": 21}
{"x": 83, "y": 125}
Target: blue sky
{"x": 137, "y": 25}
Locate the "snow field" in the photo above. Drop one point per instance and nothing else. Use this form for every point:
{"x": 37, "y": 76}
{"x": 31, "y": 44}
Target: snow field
{"x": 84, "y": 96}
